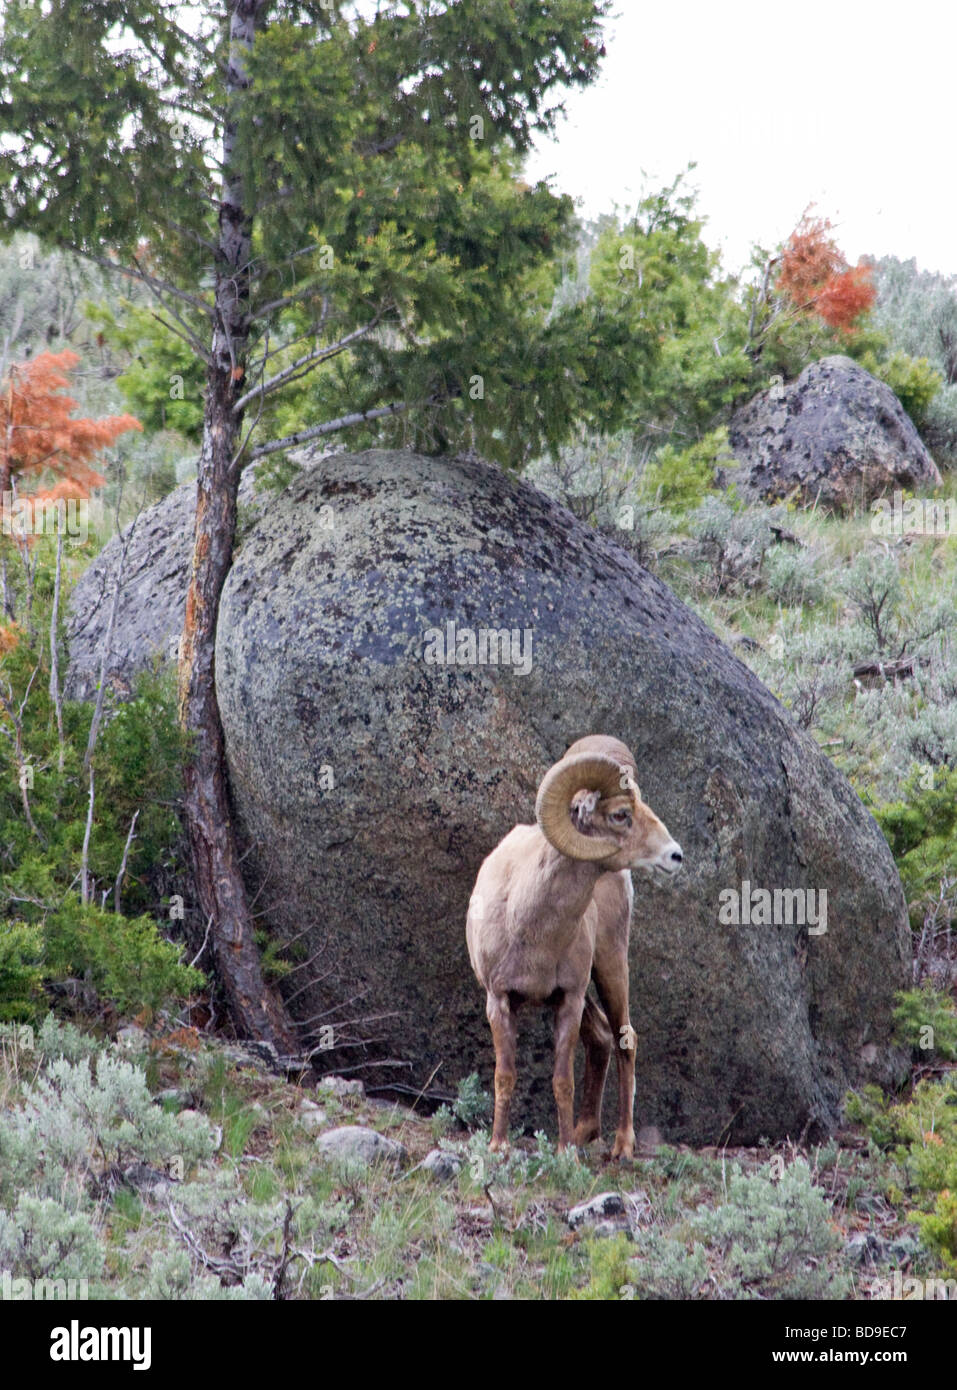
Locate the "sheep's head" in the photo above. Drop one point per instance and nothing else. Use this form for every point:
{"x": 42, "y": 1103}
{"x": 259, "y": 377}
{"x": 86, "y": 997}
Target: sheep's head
{"x": 589, "y": 807}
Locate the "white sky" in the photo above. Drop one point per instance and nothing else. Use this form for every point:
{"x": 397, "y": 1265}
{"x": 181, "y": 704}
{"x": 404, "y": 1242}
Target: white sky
{"x": 848, "y": 105}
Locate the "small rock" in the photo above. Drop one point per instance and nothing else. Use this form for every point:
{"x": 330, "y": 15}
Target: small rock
{"x": 903, "y": 1249}
{"x": 143, "y": 1178}
{"x": 132, "y": 1037}
{"x": 869, "y": 1249}
{"x": 244, "y": 1057}
{"x": 380, "y": 1103}
{"x": 312, "y": 1118}
{"x": 598, "y": 1210}
{"x": 339, "y": 1086}
{"x": 357, "y": 1144}
{"x": 174, "y": 1095}
{"x": 861, "y": 1249}
{"x": 605, "y": 1229}
{"x": 648, "y": 1139}
{"x": 442, "y": 1165}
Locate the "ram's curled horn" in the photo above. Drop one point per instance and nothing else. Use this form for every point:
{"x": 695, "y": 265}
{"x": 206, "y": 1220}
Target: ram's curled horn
{"x": 593, "y": 771}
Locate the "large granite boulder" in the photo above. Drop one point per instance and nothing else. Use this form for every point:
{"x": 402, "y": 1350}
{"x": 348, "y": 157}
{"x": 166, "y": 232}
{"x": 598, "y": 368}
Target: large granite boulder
{"x": 151, "y": 557}
{"x": 380, "y": 742}
{"x": 836, "y": 436}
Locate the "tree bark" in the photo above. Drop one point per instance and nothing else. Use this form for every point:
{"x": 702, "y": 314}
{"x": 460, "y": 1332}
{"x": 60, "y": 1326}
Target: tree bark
{"x": 257, "y": 1011}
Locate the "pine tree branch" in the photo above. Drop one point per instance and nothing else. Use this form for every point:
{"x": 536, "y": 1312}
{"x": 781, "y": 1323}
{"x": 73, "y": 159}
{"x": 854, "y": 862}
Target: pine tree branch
{"x": 158, "y": 286}
{"x": 283, "y": 301}
{"x": 182, "y": 331}
{"x": 360, "y": 417}
{"x": 302, "y": 366}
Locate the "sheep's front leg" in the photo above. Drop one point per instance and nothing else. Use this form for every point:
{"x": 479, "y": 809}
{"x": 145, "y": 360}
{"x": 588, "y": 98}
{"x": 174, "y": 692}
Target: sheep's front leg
{"x": 568, "y": 1019}
{"x": 596, "y": 1035}
{"x": 504, "y": 1027}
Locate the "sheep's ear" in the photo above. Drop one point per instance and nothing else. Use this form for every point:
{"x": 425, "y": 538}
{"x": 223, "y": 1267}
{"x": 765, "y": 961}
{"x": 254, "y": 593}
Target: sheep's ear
{"x": 582, "y": 809}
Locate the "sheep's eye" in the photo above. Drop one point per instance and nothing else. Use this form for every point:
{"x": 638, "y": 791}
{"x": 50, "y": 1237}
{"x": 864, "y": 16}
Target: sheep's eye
{"x": 620, "y": 817}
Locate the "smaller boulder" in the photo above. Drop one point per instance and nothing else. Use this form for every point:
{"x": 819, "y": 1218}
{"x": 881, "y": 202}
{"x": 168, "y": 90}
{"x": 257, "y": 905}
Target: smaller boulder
{"x": 311, "y": 1116}
{"x": 604, "y": 1214}
{"x": 150, "y": 1181}
{"x": 836, "y": 436}
{"x": 339, "y": 1086}
{"x": 174, "y": 1095}
{"x": 442, "y": 1165}
{"x": 356, "y": 1144}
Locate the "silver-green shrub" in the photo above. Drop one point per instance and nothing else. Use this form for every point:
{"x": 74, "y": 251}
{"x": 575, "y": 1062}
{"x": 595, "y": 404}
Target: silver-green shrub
{"x": 41, "y": 1239}
{"x": 774, "y": 1237}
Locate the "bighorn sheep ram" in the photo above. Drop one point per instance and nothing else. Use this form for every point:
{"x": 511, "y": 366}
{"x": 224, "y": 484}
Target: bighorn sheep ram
{"x": 551, "y": 909}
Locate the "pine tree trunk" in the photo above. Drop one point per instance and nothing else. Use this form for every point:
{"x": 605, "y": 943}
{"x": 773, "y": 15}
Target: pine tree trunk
{"x": 256, "y": 1010}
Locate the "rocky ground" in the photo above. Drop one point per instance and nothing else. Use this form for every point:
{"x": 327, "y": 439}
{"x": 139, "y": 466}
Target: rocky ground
{"x": 324, "y": 1191}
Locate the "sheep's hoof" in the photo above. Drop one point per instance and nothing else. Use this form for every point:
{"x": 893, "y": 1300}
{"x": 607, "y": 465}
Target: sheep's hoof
{"x": 624, "y": 1147}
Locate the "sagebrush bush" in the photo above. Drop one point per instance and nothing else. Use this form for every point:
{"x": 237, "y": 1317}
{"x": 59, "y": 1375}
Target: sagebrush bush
{"x": 56, "y": 1038}
{"x": 80, "y": 1118}
{"x": 793, "y": 576}
{"x": 775, "y": 1238}
{"x": 41, "y": 1239}
{"x": 731, "y": 543}
{"x": 171, "y": 1276}
{"x": 665, "y": 1267}
{"x": 472, "y": 1103}
{"x": 518, "y": 1169}
{"x": 809, "y": 672}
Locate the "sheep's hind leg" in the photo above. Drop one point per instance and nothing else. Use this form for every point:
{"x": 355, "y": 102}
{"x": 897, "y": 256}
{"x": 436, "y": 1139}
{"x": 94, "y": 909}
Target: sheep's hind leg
{"x": 504, "y": 1030}
{"x": 596, "y": 1035}
{"x": 611, "y": 981}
